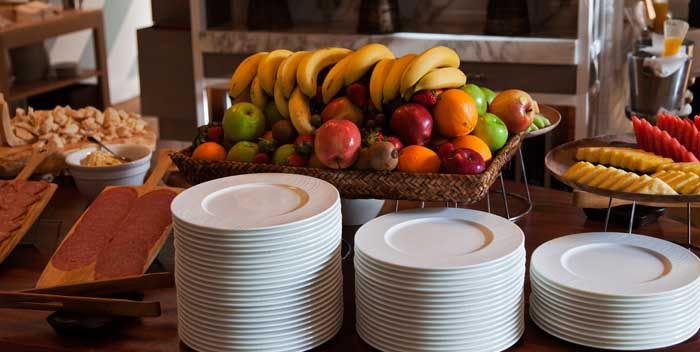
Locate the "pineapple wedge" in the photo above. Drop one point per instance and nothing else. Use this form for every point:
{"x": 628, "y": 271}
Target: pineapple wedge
{"x": 692, "y": 167}
{"x": 626, "y": 158}
{"x": 615, "y": 179}
{"x": 682, "y": 182}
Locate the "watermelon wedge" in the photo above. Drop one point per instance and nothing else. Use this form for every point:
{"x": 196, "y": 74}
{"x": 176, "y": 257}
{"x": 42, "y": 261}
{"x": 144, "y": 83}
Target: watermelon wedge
{"x": 681, "y": 129}
{"x": 660, "y": 142}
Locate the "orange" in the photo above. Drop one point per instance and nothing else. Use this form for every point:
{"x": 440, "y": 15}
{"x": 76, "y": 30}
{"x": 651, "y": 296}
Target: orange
{"x": 209, "y": 151}
{"x": 474, "y": 143}
{"x": 455, "y": 113}
{"x": 418, "y": 159}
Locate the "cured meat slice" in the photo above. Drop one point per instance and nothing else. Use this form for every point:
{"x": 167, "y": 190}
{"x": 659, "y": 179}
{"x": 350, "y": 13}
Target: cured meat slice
{"x": 12, "y": 213}
{"x": 30, "y": 187}
{"x": 9, "y": 226}
{"x": 95, "y": 228}
{"x": 127, "y": 251}
{"x": 4, "y": 236}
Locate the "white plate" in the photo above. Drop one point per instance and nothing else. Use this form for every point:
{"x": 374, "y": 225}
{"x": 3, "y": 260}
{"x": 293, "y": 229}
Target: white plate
{"x": 204, "y": 344}
{"x": 617, "y": 312}
{"x": 647, "y": 328}
{"x": 228, "y": 244}
{"x": 257, "y": 235}
{"x": 682, "y": 335}
{"x": 616, "y": 264}
{"x": 331, "y": 234}
{"x": 612, "y": 308}
{"x": 439, "y": 239}
{"x": 496, "y": 345}
{"x": 427, "y": 277}
{"x": 408, "y": 293}
{"x": 264, "y": 300}
{"x": 255, "y": 201}
{"x": 442, "y": 285}
{"x": 690, "y": 290}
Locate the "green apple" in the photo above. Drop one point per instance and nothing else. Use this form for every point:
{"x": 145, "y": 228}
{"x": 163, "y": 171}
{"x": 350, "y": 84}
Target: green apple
{"x": 243, "y": 122}
{"x": 489, "y": 94}
{"x": 242, "y": 151}
{"x": 492, "y": 130}
{"x": 271, "y": 113}
{"x": 478, "y": 95}
{"x": 282, "y": 153}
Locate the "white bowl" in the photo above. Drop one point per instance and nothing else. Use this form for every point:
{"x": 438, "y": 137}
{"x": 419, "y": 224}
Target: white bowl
{"x": 91, "y": 180}
{"x": 359, "y": 211}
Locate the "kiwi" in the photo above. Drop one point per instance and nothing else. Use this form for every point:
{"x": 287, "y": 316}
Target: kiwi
{"x": 383, "y": 156}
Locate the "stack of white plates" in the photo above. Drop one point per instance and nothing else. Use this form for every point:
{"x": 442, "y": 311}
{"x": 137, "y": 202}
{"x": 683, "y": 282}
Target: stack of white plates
{"x": 615, "y": 291}
{"x": 439, "y": 280}
{"x": 257, "y": 263}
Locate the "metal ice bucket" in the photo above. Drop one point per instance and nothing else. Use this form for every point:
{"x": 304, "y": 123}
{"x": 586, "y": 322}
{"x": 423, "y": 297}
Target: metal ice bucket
{"x": 649, "y": 92}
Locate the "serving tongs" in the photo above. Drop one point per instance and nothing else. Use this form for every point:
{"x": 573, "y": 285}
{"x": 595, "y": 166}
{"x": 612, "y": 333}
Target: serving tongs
{"x": 88, "y": 297}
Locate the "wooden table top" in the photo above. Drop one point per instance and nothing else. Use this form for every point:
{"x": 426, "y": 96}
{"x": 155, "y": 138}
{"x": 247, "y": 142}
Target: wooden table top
{"x": 22, "y": 330}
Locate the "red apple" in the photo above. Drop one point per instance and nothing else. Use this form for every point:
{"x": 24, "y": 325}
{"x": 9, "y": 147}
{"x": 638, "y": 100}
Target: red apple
{"x": 395, "y": 141}
{"x": 445, "y": 149}
{"x": 342, "y": 109}
{"x": 337, "y": 144}
{"x": 412, "y": 123}
{"x": 516, "y": 108}
{"x": 463, "y": 161}
{"x": 358, "y": 94}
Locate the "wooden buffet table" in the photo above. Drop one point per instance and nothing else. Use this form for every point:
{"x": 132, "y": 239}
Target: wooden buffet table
{"x": 22, "y": 330}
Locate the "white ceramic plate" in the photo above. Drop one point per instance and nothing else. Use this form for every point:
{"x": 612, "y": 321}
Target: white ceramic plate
{"x": 682, "y": 335}
{"x": 428, "y": 277}
{"x": 255, "y": 201}
{"x": 646, "y": 328}
{"x": 442, "y": 285}
{"x": 604, "y": 307}
{"x": 439, "y": 239}
{"x": 257, "y": 235}
{"x": 616, "y": 264}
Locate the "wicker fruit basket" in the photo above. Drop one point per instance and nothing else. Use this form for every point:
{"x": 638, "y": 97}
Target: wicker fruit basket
{"x": 366, "y": 184}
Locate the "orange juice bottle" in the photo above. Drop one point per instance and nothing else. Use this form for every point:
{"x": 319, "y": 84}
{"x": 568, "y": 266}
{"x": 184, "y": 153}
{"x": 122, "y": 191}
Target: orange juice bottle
{"x": 672, "y": 45}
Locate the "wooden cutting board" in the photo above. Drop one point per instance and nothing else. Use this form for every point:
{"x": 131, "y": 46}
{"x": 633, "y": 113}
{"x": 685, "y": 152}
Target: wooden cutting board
{"x": 35, "y": 210}
{"x": 13, "y": 157}
{"x": 52, "y": 276}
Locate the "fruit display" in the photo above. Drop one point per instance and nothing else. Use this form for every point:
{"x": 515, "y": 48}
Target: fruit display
{"x": 660, "y": 142}
{"x": 364, "y": 109}
{"x": 626, "y": 158}
{"x": 615, "y": 179}
{"x": 681, "y": 182}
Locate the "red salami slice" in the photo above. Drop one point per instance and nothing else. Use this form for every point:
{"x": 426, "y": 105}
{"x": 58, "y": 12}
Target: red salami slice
{"x": 30, "y": 187}
{"x": 127, "y": 251}
{"x": 95, "y": 228}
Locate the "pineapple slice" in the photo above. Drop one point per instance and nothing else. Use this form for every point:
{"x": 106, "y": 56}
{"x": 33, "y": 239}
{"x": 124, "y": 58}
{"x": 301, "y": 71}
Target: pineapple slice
{"x": 626, "y": 158}
{"x": 692, "y": 167}
{"x": 682, "y": 182}
{"x": 615, "y": 179}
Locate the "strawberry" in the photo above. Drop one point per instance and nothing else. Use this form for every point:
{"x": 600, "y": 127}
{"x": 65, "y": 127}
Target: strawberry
{"x": 261, "y": 158}
{"x": 372, "y": 136}
{"x": 267, "y": 145}
{"x": 296, "y": 160}
{"x": 445, "y": 149}
{"x": 358, "y": 94}
{"x": 425, "y": 97}
{"x": 215, "y": 134}
{"x": 304, "y": 144}
{"x": 395, "y": 141}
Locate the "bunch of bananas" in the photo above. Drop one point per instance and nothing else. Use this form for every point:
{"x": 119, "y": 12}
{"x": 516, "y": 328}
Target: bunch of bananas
{"x": 291, "y": 78}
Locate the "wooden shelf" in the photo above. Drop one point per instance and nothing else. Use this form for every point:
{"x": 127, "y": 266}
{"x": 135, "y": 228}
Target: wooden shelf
{"x": 26, "y": 89}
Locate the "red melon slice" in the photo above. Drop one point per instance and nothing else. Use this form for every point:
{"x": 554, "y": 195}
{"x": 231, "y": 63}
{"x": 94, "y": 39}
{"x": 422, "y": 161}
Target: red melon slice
{"x": 653, "y": 139}
{"x": 682, "y": 130}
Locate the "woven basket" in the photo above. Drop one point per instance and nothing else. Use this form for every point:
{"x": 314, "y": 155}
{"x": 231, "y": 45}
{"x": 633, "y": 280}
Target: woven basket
{"x": 362, "y": 183}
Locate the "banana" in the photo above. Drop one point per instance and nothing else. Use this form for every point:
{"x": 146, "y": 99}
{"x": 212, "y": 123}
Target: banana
{"x": 310, "y": 66}
{"x": 435, "y": 57}
{"x": 377, "y": 81}
{"x": 267, "y": 69}
{"x": 244, "y": 73}
{"x": 393, "y": 79}
{"x": 287, "y": 73}
{"x": 281, "y": 102}
{"x": 257, "y": 95}
{"x": 442, "y": 78}
{"x": 334, "y": 80}
{"x": 300, "y": 113}
{"x": 363, "y": 59}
